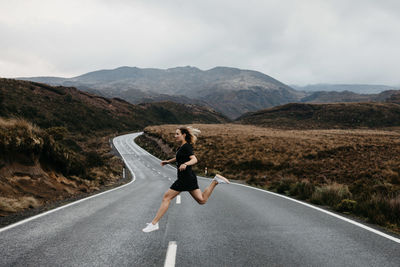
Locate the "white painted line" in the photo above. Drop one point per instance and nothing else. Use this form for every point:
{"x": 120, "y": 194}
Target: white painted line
{"x": 69, "y": 204}
{"x": 322, "y": 210}
{"x": 178, "y": 199}
{"x": 64, "y": 206}
{"x": 171, "y": 254}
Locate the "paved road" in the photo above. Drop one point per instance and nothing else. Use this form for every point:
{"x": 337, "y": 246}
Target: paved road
{"x": 238, "y": 226}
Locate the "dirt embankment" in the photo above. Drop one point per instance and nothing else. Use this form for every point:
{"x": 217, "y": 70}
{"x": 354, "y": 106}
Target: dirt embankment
{"x": 27, "y": 189}
{"x": 23, "y": 187}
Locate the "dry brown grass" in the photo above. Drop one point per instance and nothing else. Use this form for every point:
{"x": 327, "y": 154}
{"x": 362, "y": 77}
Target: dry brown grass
{"x": 19, "y": 123}
{"x": 331, "y": 194}
{"x": 32, "y": 165}
{"x": 328, "y": 166}
{"x": 18, "y": 204}
{"x": 318, "y": 155}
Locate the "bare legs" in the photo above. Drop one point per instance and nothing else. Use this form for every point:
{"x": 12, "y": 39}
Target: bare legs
{"x": 168, "y": 196}
{"x": 202, "y": 197}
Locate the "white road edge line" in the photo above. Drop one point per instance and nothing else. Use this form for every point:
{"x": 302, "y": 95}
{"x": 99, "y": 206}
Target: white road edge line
{"x": 171, "y": 254}
{"x": 308, "y": 205}
{"x": 67, "y": 205}
{"x": 325, "y": 211}
{"x": 178, "y": 199}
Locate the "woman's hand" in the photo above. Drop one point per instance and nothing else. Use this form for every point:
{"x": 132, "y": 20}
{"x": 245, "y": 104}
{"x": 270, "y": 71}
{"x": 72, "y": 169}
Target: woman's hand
{"x": 164, "y": 162}
{"x": 182, "y": 167}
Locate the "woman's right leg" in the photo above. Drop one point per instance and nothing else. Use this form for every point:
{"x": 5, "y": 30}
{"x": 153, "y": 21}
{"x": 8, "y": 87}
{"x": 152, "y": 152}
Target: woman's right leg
{"x": 202, "y": 197}
{"x": 168, "y": 196}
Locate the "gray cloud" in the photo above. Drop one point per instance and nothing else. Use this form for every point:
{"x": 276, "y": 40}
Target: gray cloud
{"x": 295, "y": 41}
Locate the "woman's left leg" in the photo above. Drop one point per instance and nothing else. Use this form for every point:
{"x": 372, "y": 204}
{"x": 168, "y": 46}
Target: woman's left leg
{"x": 202, "y": 197}
{"x": 168, "y": 196}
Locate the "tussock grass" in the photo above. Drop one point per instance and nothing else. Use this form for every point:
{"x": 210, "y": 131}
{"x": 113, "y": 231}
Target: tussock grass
{"x": 331, "y": 194}
{"x": 304, "y": 189}
{"x": 18, "y": 204}
{"x": 24, "y": 142}
{"x": 350, "y": 170}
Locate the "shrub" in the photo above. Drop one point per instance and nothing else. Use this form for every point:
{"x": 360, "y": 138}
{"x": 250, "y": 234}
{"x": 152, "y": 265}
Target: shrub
{"x": 283, "y": 185}
{"x": 346, "y": 205}
{"x": 18, "y": 136}
{"x": 373, "y": 209}
{"x": 62, "y": 158}
{"x": 380, "y": 209}
{"x": 394, "y": 210}
{"x": 331, "y": 194}
{"x": 303, "y": 189}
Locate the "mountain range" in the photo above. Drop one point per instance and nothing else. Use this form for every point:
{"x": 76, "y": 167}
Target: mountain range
{"x": 355, "y": 88}
{"x": 230, "y": 91}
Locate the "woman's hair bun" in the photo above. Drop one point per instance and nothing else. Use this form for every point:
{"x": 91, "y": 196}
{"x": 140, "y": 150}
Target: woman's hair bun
{"x": 191, "y": 133}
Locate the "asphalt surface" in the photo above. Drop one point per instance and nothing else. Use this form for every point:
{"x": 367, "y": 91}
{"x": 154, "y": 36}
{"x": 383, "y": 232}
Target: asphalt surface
{"x": 238, "y": 226}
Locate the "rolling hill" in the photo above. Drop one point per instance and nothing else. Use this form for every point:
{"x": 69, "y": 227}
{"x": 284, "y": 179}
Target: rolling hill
{"x": 347, "y": 96}
{"x": 87, "y": 113}
{"x": 327, "y": 116}
{"x": 54, "y": 140}
{"x": 230, "y": 91}
{"x": 355, "y": 88}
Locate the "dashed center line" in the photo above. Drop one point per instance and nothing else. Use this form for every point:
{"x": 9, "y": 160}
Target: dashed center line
{"x": 171, "y": 254}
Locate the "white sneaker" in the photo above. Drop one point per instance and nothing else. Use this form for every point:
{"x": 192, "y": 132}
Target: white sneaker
{"x": 220, "y": 179}
{"x": 150, "y": 227}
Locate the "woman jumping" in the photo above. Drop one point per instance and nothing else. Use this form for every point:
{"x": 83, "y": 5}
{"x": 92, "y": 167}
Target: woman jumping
{"x": 187, "y": 180}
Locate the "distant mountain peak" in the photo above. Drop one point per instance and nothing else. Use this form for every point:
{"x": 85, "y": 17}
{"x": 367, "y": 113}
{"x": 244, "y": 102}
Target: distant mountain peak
{"x": 229, "y": 90}
{"x": 125, "y": 67}
{"x": 184, "y": 68}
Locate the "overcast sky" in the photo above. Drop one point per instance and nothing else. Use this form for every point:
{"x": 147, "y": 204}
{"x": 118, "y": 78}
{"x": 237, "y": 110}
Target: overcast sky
{"x": 295, "y": 41}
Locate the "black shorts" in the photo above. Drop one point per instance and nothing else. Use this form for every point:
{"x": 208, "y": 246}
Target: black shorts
{"x": 186, "y": 181}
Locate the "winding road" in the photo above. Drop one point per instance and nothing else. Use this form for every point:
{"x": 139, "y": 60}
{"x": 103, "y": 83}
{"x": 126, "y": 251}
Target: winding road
{"x": 238, "y": 226}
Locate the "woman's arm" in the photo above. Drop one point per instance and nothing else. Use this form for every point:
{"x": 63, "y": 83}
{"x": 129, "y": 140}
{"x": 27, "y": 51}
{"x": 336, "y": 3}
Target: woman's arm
{"x": 192, "y": 161}
{"x": 171, "y": 160}
{"x": 167, "y": 161}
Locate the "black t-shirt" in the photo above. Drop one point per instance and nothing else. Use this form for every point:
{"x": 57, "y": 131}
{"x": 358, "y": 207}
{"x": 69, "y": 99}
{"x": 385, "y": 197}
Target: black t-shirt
{"x": 183, "y": 153}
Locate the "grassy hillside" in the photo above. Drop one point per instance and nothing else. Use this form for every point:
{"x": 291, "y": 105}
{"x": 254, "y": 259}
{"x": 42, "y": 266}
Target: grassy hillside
{"x": 326, "y": 116}
{"x": 353, "y": 171}
{"x": 39, "y": 166}
{"x": 85, "y": 113}
{"x": 54, "y": 140}
{"x": 347, "y": 96}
